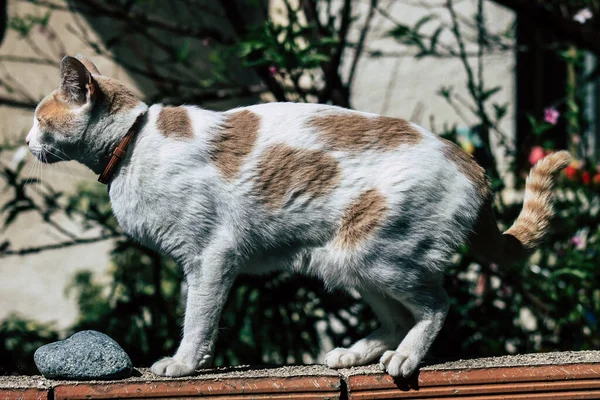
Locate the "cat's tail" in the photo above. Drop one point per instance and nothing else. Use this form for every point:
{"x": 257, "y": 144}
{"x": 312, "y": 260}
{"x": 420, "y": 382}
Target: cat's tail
{"x": 532, "y": 224}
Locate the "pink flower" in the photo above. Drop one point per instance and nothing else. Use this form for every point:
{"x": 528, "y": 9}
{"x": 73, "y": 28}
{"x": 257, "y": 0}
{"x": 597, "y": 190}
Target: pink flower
{"x": 583, "y": 15}
{"x": 537, "y": 153}
{"x": 551, "y": 115}
{"x": 206, "y": 42}
{"x": 579, "y": 240}
{"x": 273, "y": 70}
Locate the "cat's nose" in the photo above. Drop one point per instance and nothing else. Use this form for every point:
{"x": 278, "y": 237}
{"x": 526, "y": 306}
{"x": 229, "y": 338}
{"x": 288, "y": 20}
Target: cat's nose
{"x": 30, "y": 135}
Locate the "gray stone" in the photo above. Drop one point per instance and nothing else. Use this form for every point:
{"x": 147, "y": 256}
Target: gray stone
{"x": 85, "y": 355}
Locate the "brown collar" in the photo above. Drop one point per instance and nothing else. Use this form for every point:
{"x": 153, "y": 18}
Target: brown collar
{"x": 119, "y": 153}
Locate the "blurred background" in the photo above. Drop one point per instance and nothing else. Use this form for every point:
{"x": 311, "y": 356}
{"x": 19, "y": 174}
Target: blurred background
{"x": 508, "y": 80}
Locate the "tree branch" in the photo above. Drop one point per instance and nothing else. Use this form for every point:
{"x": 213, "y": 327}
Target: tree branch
{"x": 61, "y": 245}
{"x": 240, "y": 27}
{"x": 4, "y": 101}
{"x": 361, "y": 40}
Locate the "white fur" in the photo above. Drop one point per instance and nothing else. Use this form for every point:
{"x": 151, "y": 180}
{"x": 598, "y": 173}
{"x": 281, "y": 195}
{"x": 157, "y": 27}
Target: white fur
{"x": 168, "y": 195}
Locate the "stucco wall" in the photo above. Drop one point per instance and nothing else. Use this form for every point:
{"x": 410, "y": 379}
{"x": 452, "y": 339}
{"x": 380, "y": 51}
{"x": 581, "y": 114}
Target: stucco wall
{"x": 34, "y": 285}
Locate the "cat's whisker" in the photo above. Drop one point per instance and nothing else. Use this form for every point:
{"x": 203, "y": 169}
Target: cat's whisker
{"x": 42, "y": 170}
{"x": 47, "y": 149}
{"x": 68, "y": 170}
{"x": 65, "y": 154}
{"x": 28, "y": 177}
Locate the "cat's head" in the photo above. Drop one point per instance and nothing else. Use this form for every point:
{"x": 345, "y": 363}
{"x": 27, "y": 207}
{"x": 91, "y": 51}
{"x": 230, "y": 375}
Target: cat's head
{"x": 70, "y": 123}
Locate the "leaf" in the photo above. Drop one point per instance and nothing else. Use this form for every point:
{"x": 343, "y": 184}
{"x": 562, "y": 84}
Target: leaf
{"x": 14, "y": 213}
{"x": 542, "y": 128}
{"x": 400, "y": 31}
{"x": 422, "y": 22}
{"x": 184, "y": 52}
{"x": 567, "y": 271}
{"x": 489, "y": 93}
{"x": 500, "y": 110}
{"x": 434, "y": 39}
{"x": 256, "y": 63}
{"x": 532, "y": 121}
{"x": 316, "y": 57}
{"x": 445, "y": 92}
{"x": 329, "y": 41}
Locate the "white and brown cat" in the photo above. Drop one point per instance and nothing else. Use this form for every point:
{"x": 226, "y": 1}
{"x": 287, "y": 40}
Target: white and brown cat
{"x": 362, "y": 201}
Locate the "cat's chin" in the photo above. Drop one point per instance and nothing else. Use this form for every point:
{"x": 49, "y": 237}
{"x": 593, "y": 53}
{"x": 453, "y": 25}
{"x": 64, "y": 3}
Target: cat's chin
{"x": 45, "y": 157}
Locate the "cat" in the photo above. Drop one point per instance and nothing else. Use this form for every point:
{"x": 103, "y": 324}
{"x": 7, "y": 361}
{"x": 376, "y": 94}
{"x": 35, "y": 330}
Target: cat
{"x": 361, "y": 201}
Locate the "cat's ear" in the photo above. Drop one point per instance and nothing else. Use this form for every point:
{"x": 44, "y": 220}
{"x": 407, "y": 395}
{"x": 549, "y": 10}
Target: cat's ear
{"x": 88, "y": 64}
{"x": 76, "y": 82}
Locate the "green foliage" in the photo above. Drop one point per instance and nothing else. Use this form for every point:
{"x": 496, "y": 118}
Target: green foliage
{"x": 292, "y": 47}
{"x": 139, "y": 307}
{"x": 19, "y": 338}
{"x": 24, "y": 24}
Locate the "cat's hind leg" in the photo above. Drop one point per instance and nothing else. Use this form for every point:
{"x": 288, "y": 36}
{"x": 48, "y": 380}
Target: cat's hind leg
{"x": 429, "y": 306}
{"x": 395, "y": 322}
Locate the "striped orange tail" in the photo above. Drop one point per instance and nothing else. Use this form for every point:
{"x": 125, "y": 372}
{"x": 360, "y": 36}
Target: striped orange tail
{"x": 532, "y": 224}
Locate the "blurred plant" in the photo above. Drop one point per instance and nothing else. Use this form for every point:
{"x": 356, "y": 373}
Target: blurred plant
{"x": 19, "y": 339}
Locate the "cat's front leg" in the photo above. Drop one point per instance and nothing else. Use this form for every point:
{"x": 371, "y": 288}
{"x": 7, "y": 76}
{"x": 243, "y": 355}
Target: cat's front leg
{"x": 208, "y": 287}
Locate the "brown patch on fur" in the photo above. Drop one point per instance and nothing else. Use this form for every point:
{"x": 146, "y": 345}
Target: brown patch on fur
{"x": 116, "y": 96}
{"x": 175, "y": 122}
{"x": 361, "y": 218}
{"x": 234, "y": 142}
{"x": 467, "y": 165}
{"x": 54, "y": 114}
{"x": 283, "y": 169}
{"x": 355, "y": 132}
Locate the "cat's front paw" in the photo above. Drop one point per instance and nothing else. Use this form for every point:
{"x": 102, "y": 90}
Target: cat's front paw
{"x": 342, "y": 358}
{"x": 171, "y": 367}
{"x": 398, "y": 364}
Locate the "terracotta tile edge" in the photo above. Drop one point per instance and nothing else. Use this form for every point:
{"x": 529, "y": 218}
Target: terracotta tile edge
{"x": 484, "y": 376}
{"x": 215, "y": 387}
{"x": 584, "y": 377}
{"x": 25, "y": 393}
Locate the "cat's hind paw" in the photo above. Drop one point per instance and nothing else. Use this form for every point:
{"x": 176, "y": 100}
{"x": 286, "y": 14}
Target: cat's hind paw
{"x": 398, "y": 364}
{"x": 171, "y": 367}
{"x": 342, "y": 358}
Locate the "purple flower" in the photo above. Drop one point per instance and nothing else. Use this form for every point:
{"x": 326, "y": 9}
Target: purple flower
{"x": 579, "y": 241}
{"x": 273, "y": 70}
{"x": 551, "y": 115}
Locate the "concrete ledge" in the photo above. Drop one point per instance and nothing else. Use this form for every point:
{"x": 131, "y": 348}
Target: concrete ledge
{"x": 568, "y": 375}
